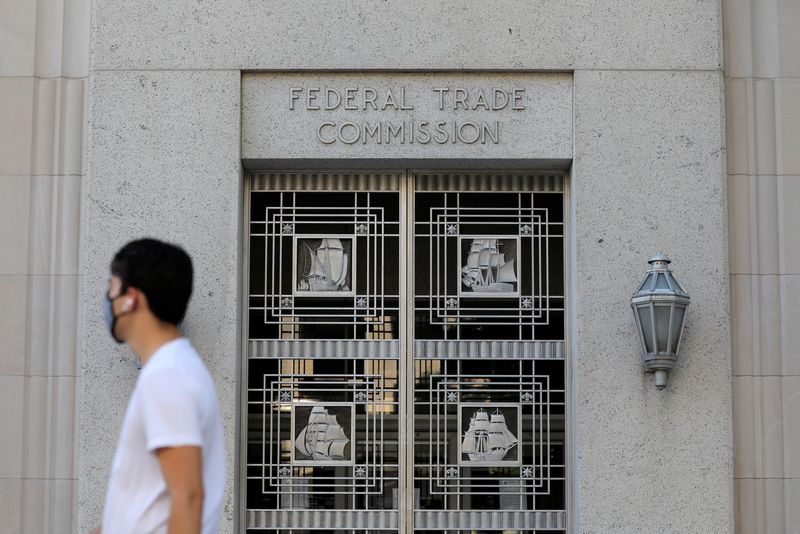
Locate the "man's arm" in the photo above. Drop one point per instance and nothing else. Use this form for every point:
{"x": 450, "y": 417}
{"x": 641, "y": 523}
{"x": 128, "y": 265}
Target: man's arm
{"x": 183, "y": 473}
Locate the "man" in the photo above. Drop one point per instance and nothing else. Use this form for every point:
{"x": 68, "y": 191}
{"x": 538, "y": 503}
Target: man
{"x": 168, "y": 474}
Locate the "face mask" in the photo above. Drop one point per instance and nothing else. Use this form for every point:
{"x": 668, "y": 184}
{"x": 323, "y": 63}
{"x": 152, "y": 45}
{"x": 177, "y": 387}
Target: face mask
{"x": 110, "y": 318}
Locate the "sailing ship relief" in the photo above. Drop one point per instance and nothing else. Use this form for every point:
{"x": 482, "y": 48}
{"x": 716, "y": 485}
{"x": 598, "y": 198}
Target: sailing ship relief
{"x": 324, "y": 267}
{"x": 488, "y": 439}
{"x": 323, "y": 438}
{"x": 486, "y": 269}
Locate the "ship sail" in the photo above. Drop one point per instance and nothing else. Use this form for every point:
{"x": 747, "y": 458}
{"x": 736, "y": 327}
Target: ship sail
{"x": 487, "y": 439}
{"x": 317, "y": 269}
{"x": 485, "y": 257}
{"x": 469, "y": 445}
{"x": 506, "y": 272}
{"x": 486, "y": 268}
{"x": 300, "y": 442}
{"x": 327, "y": 267}
{"x": 336, "y": 450}
{"x": 332, "y": 252}
{"x": 323, "y": 438}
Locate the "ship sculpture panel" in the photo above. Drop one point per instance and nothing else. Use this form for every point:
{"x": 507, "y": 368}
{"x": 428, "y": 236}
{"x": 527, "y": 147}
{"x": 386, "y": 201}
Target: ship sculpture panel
{"x": 487, "y": 439}
{"x": 486, "y": 268}
{"x": 327, "y": 267}
{"x": 323, "y": 438}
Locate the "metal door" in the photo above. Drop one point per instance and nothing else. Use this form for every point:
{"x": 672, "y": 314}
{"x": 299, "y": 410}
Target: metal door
{"x": 405, "y": 353}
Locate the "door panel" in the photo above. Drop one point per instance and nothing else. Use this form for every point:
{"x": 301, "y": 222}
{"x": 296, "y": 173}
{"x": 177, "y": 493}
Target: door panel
{"x": 323, "y": 364}
{"x": 488, "y": 352}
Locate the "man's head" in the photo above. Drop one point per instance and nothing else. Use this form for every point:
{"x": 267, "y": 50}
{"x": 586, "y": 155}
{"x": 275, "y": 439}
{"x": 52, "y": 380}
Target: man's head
{"x": 151, "y": 281}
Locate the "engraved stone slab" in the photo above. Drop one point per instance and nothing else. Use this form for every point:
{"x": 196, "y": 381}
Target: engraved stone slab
{"x": 377, "y": 116}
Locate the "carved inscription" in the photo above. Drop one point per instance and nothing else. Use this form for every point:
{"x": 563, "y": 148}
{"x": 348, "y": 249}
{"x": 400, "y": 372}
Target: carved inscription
{"x": 480, "y": 109}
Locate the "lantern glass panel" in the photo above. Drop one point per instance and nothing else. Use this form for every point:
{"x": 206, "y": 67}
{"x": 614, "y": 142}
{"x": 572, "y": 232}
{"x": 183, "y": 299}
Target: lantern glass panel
{"x": 662, "y": 327}
{"x": 661, "y": 282}
{"x": 646, "y": 320}
{"x": 677, "y": 323}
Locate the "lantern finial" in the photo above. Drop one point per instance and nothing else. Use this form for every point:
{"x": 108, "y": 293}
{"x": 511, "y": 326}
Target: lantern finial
{"x": 659, "y": 261}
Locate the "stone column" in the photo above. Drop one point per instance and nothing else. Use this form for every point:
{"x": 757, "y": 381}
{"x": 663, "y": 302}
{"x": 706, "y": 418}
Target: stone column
{"x": 649, "y": 156}
{"x": 762, "y": 65}
{"x": 164, "y": 164}
{"x": 44, "y": 65}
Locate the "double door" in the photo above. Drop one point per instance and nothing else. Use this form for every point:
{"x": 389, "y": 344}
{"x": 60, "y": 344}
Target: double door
{"x": 404, "y": 353}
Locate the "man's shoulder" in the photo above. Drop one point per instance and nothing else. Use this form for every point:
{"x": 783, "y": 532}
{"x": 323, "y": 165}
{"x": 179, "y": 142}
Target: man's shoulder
{"x": 179, "y": 363}
{"x": 177, "y": 354}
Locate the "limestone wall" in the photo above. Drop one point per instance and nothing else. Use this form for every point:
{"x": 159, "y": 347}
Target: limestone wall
{"x": 648, "y": 174}
{"x": 165, "y": 154}
{"x": 762, "y": 82}
{"x": 44, "y": 67}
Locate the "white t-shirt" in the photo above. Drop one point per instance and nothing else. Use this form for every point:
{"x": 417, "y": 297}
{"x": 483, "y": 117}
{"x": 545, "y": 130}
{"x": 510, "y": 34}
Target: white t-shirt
{"x": 173, "y": 404}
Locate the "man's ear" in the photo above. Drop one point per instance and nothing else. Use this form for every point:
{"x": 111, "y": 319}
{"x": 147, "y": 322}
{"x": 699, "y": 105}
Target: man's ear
{"x": 130, "y": 300}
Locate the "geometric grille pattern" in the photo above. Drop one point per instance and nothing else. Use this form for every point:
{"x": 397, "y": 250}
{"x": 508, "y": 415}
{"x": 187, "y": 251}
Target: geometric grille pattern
{"x": 324, "y": 258}
{"x": 330, "y": 338}
{"x": 531, "y": 399}
{"x": 487, "y": 260}
{"x": 489, "y": 330}
{"x": 363, "y": 402}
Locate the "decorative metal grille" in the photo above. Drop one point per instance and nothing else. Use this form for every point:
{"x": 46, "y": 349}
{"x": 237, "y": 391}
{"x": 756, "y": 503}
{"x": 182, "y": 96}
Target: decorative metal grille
{"x": 489, "y": 265}
{"x": 329, "y": 404}
{"x": 518, "y": 461}
{"x": 324, "y": 264}
{"x": 323, "y": 353}
{"x": 489, "y": 397}
{"x": 323, "y": 434}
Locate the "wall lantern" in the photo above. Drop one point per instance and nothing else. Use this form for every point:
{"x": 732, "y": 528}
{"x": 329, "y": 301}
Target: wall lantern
{"x": 659, "y": 306}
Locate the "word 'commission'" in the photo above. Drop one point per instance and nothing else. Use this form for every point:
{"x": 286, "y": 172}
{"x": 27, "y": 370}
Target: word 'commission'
{"x": 413, "y": 130}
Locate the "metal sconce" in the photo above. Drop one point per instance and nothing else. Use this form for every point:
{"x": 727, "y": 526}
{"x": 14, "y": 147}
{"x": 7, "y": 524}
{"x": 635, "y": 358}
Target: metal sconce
{"x": 659, "y": 306}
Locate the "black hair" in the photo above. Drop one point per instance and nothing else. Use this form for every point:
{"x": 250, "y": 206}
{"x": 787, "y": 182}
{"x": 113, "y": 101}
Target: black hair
{"x": 162, "y": 271}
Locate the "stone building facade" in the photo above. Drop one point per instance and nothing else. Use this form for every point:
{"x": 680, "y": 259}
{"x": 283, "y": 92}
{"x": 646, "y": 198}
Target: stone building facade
{"x": 663, "y": 126}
